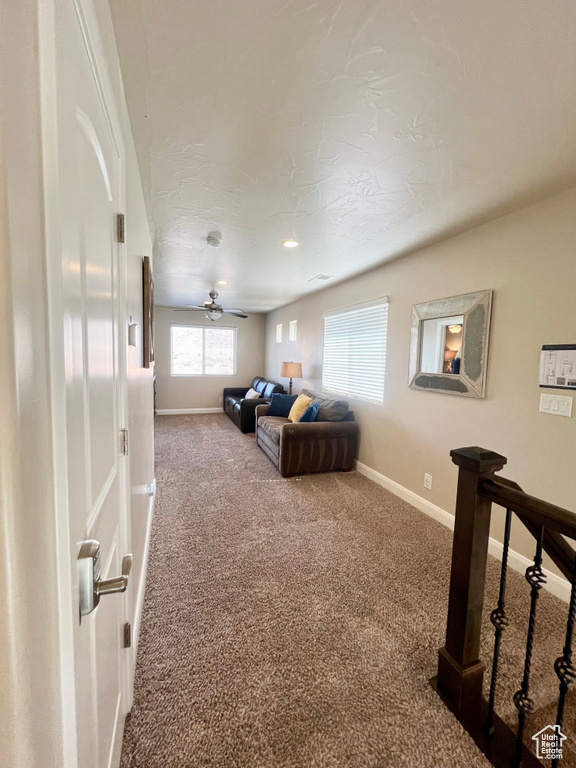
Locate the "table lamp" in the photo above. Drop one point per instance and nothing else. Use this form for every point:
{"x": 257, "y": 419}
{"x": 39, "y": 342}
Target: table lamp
{"x": 291, "y": 371}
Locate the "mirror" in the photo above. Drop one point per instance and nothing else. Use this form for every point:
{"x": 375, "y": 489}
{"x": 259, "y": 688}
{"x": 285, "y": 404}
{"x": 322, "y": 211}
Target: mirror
{"x": 441, "y": 345}
{"x": 449, "y": 344}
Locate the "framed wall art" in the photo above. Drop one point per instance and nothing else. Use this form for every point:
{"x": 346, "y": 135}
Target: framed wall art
{"x": 148, "y": 312}
{"x": 558, "y": 366}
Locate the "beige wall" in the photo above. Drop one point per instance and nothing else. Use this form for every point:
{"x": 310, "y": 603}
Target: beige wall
{"x": 185, "y": 392}
{"x": 528, "y": 259}
{"x": 140, "y": 388}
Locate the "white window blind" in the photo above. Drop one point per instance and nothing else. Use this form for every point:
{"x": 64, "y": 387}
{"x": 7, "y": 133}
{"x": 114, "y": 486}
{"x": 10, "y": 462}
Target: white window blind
{"x": 355, "y": 350}
{"x": 200, "y": 351}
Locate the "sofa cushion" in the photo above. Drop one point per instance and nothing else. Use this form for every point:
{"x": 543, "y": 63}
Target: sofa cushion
{"x": 280, "y": 404}
{"x": 302, "y": 402}
{"x": 330, "y": 409}
{"x": 272, "y": 426}
{"x": 311, "y": 413}
{"x": 260, "y": 384}
{"x": 270, "y": 388}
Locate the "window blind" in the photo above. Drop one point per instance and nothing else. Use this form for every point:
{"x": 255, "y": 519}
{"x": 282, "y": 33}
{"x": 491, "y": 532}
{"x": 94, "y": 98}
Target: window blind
{"x": 355, "y": 350}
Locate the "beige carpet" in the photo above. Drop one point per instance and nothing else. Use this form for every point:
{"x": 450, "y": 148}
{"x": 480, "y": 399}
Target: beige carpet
{"x": 295, "y": 623}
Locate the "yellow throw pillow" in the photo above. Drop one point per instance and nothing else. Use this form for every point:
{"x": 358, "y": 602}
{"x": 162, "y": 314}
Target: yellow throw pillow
{"x": 300, "y": 404}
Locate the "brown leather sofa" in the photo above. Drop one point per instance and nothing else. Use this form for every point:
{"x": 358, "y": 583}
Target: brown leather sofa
{"x": 242, "y": 411}
{"x": 317, "y": 446}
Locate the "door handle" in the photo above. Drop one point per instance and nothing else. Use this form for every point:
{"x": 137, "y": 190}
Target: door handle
{"x": 90, "y": 586}
{"x": 118, "y": 583}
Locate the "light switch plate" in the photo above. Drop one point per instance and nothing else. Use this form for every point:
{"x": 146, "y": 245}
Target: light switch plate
{"x": 556, "y": 405}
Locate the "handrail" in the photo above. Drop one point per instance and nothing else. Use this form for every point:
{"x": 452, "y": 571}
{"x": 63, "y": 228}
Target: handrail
{"x": 460, "y": 669}
{"x": 555, "y": 545}
{"x": 540, "y": 512}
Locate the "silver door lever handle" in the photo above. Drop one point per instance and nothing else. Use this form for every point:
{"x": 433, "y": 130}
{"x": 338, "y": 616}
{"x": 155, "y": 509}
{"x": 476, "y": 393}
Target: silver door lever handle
{"x": 118, "y": 583}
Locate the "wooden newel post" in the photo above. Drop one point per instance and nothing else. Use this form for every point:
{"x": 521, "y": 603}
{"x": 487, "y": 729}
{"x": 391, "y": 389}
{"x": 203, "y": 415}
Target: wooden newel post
{"x": 459, "y": 668}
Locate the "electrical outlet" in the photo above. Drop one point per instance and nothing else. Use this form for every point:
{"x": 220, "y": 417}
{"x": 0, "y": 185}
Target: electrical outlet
{"x": 428, "y": 481}
{"x": 220, "y": 400}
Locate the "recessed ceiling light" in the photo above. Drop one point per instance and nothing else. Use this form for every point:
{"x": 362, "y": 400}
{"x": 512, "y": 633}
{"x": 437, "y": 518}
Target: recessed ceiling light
{"x": 222, "y": 282}
{"x": 290, "y": 243}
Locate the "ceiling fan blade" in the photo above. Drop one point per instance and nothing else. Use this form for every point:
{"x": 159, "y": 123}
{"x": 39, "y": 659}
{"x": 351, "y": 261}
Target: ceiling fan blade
{"x": 235, "y": 312}
{"x": 190, "y": 309}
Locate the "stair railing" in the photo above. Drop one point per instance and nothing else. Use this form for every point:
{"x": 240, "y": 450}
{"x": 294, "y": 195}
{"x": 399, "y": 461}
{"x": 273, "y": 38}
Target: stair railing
{"x": 460, "y": 670}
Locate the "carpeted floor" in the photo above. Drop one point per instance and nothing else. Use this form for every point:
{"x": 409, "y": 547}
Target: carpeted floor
{"x": 295, "y": 623}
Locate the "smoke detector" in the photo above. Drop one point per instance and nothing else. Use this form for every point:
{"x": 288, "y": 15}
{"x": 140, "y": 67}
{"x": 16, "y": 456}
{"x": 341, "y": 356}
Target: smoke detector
{"x": 214, "y": 239}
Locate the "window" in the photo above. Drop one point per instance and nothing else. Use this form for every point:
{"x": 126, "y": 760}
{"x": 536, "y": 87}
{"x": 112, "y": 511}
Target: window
{"x": 355, "y": 350}
{"x": 279, "y": 330}
{"x": 293, "y": 330}
{"x": 199, "y": 351}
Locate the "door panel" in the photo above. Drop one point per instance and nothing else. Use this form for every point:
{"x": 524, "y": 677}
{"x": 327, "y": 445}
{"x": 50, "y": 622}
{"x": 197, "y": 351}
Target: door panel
{"x": 89, "y": 200}
{"x": 97, "y": 217}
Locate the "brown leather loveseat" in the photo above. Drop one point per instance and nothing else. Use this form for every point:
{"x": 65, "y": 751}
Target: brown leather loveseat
{"x": 241, "y": 410}
{"x": 318, "y": 446}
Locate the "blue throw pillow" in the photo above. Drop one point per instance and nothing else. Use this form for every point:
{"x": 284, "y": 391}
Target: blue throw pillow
{"x": 311, "y": 413}
{"x": 280, "y": 405}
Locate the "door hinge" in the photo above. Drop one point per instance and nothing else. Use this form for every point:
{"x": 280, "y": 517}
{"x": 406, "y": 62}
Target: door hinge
{"x": 124, "y": 442}
{"x": 127, "y": 635}
{"x": 120, "y": 227}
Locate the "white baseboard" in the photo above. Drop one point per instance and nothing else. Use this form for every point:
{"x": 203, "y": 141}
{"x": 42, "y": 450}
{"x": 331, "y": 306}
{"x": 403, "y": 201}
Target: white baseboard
{"x": 412, "y": 498}
{"x": 179, "y": 411}
{"x": 142, "y": 586}
{"x": 555, "y": 584}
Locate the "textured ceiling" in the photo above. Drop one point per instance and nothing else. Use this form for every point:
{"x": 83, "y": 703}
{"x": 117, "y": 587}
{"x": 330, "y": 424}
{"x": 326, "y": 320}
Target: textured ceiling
{"x": 364, "y": 129}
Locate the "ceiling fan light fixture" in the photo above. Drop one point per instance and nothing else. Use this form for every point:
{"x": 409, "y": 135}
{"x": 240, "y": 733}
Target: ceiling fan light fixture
{"x": 290, "y": 243}
{"x": 213, "y": 311}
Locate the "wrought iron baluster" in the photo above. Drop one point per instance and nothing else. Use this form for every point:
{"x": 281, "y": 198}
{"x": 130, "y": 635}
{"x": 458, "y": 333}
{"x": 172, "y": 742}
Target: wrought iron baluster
{"x": 522, "y": 701}
{"x": 500, "y": 621}
{"x": 564, "y": 667}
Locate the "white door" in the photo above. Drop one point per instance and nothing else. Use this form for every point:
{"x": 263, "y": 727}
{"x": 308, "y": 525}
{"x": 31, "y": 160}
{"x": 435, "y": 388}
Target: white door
{"x": 90, "y": 182}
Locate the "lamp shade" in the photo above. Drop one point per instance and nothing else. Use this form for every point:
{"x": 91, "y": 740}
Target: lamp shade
{"x": 291, "y": 370}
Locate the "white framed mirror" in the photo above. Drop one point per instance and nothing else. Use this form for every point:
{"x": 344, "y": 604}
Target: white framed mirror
{"x": 449, "y": 344}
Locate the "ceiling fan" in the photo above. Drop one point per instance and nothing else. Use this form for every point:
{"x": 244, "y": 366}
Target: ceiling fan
{"x": 212, "y": 310}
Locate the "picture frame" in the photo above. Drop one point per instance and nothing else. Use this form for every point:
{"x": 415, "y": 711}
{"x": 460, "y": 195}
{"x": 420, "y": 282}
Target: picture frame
{"x": 558, "y": 366}
{"x": 148, "y": 312}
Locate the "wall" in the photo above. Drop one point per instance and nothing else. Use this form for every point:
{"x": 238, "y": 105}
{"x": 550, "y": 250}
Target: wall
{"x": 186, "y": 392}
{"x": 140, "y": 392}
{"x": 527, "y": 258}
